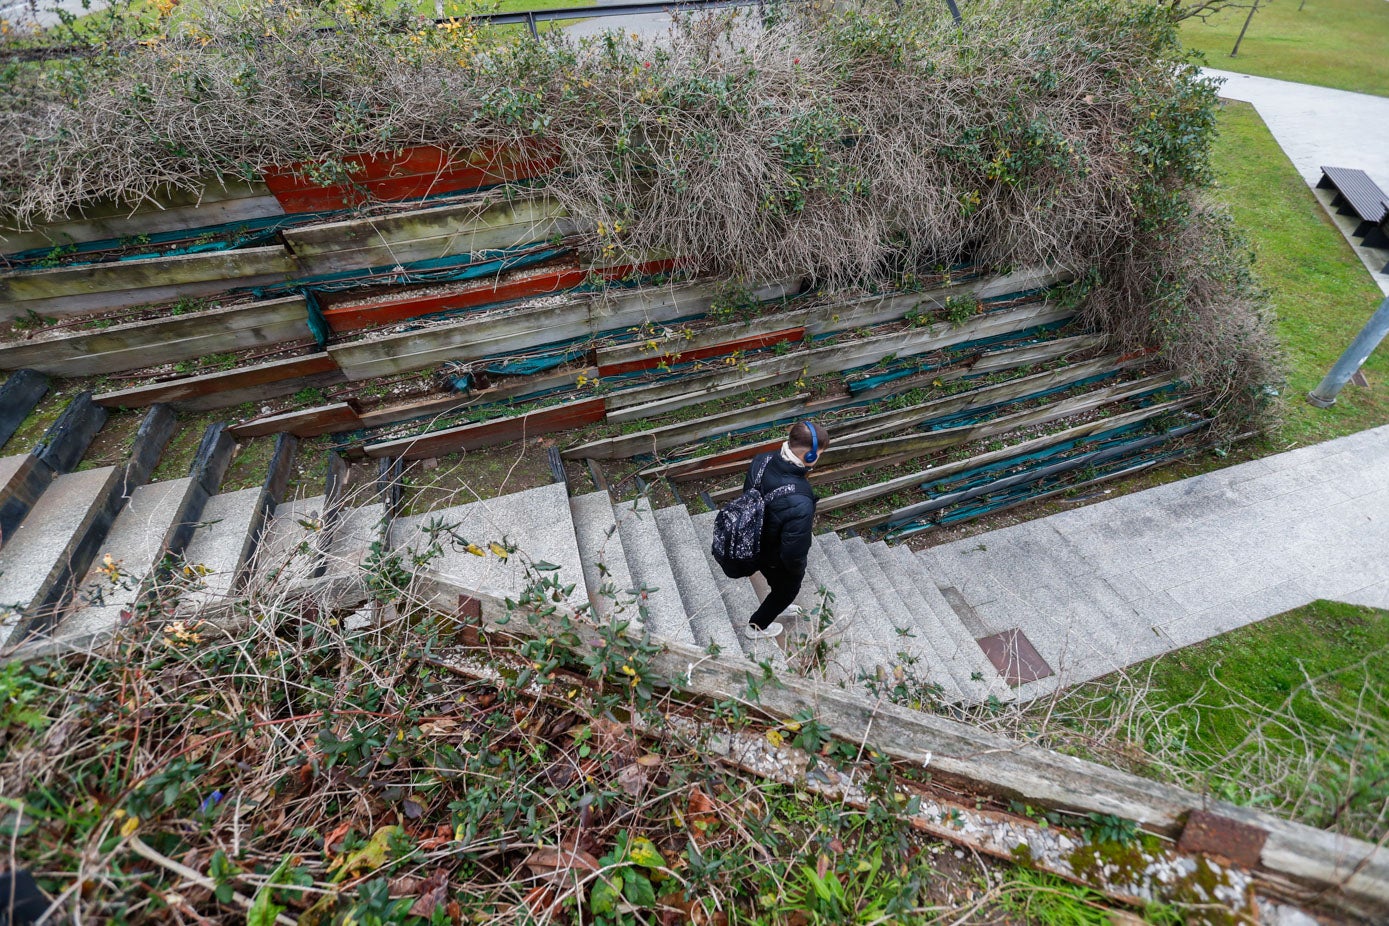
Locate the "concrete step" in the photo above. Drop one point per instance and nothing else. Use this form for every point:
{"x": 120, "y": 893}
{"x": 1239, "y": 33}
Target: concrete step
{"x": 699, "y": 590}
{"x": 295, "y": 542}
{"x": 817, "y": 646}
{"x": 350, "y": 539}
{"x": 739, "y": 597}
{"x": 651, "y": 572}
{"x": 975, "y": 675}
{"x": 35, "y": 560}
{"x": 135, "y": 545}
{"x": 536, "y": 522}
{"x": 608, "y": 577}
{"x": 923, "y": 622}
{"x": 871, "y": 641}
{"x": 10, "y": 465}
{"x": 929, "y": 578}
{"x": 216, "y": 559}
{"x": 910, "y": 652}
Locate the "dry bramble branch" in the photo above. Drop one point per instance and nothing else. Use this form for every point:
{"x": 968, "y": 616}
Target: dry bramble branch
{"x": 857, "y": 146}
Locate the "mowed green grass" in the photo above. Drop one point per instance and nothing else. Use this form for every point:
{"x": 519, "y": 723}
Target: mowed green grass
{"x": 1216, "y": 693}
{"x": 1331, "y": 43}
{"x": 1320, "y": 290}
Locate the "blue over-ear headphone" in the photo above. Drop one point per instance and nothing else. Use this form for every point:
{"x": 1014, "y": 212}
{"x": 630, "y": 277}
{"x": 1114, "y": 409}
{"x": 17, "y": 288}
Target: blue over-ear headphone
{"x": 814, "y": 453}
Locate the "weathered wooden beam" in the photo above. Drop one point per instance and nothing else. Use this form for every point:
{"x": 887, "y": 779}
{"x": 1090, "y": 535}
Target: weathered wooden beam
{"x": 496, "y": 334}
{"x": 943, "y": 470}
{"x": 272, "y": 490}
{"x": 489, "y": 433}
{"x": 169, "y": 339}
{"x": 672, "y": 435}
{"x": 120, "y": 284}
{"x": 1354, "y": 873}
{"x": 648, "y": 355}
{"x": 442, "y": 405}
{"x": 923, "y": 442}
{"x": 18, "y": 397}
{"x": 731, "y": 461}
{"x": 310, "y": 422}
{"x": 217, "y": 201}
{"x": 228, "y": 387}
{"x": 623, "y": 413}
{"x": 470, "y": 227}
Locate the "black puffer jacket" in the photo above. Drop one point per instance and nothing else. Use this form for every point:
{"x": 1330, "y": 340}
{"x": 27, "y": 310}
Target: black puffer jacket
{"x": 788, "y": 520}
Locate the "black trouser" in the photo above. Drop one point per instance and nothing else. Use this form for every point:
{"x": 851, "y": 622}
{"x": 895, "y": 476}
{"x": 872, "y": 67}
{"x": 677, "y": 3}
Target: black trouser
{"x": 785, "y": 585}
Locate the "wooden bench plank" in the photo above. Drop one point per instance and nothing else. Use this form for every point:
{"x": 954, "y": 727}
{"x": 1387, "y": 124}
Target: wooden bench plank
{"x": 489, "y": 433}
{"x": 184, "y": 391}
{"x": 139, "y": 344}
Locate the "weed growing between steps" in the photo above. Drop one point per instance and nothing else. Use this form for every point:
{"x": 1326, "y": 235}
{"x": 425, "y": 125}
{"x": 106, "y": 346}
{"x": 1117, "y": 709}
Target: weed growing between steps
{"x": 283, "y": 768}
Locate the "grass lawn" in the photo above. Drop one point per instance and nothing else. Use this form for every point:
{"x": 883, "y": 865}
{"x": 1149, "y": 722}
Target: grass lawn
{"x": 1332, "y": 43}
{"x": 1220, "y": 696}
{"x": 1320, "y": 289}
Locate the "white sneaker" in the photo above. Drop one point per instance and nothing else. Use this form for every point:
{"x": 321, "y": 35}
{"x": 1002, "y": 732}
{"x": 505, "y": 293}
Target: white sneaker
{"x": 770, "y": 632}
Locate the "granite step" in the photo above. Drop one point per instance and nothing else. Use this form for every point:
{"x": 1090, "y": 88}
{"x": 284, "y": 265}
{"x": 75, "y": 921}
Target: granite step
{"x": 957, "y": 641}
{"x": 870, "y": 641}
{"x": 699, "y": 590}
{"x": 975, "y": 675}
{"x": 817, "y": 646}
{"x": 535, "y": 522}
{"x": 739, "y": 597}
{"x": 295, "y": 542}
{"x": 36, "y": 558}
{"x": 651, "y": 573}
{"x": 607, "y": 575}
{"x": 910, "y": 653}
{"x": 135, "y": 545}
{"x": 923, "y": 623}
{"x": 216, "y": 560}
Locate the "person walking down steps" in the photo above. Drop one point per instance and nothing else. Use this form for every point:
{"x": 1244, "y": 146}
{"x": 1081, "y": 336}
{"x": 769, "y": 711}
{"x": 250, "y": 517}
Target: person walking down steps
{"x": 768, "y": 528}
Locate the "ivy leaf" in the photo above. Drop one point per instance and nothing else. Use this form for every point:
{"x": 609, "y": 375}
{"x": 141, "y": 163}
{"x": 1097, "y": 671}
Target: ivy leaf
{"x": 638, "y": 890}
{"x": 602, "y": 899}
{"x": 645, "y": 854}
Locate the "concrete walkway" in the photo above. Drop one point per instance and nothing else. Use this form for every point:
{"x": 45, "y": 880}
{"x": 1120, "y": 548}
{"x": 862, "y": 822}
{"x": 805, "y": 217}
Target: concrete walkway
{"x": 1104, "y": 586}
{"x": 1318, "y": 126}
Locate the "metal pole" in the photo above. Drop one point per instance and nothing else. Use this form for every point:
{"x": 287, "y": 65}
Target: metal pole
{"x": 1324, "y": 396}
{"x": 954, "y": 10}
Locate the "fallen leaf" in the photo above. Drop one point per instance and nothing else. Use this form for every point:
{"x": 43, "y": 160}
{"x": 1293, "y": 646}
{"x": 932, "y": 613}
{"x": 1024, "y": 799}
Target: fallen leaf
{"x": 413, "y": 810}
{"x": 822, "y": 865}
{"x": 433, "y": 891}
{"x": 368, "y": 858}
{"x": 334, "y": 837}
{"x": 632, "y": 779}
{"x": 562, "y": 859}
{"x": 650, "y": 760}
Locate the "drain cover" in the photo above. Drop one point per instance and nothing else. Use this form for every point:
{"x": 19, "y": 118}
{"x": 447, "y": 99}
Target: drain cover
{"x": 1015, "y": 658}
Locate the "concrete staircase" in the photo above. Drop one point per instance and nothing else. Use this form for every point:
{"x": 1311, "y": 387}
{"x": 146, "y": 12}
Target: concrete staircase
{"x": 872, "y": 614}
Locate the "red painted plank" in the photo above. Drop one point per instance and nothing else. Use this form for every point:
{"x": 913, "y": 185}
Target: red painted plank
{"x": 483, "y": 292}
{"x": 310, "y": 422}
{"x": 701, "y": 353}
{"x": 192, "y": 387}
{"x": 408, "y": 174}
{"x": 516, "y": 285}
{"x": 489, "y": 433}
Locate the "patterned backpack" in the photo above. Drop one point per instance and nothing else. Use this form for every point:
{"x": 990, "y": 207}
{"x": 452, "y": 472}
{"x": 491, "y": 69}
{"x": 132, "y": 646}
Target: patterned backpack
{"x": 738, "y": 528}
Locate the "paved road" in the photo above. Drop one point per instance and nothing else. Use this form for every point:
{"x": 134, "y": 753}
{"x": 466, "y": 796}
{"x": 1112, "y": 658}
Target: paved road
{"x": 1113, "y": 583}
{"x": 1318, "y": 126}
